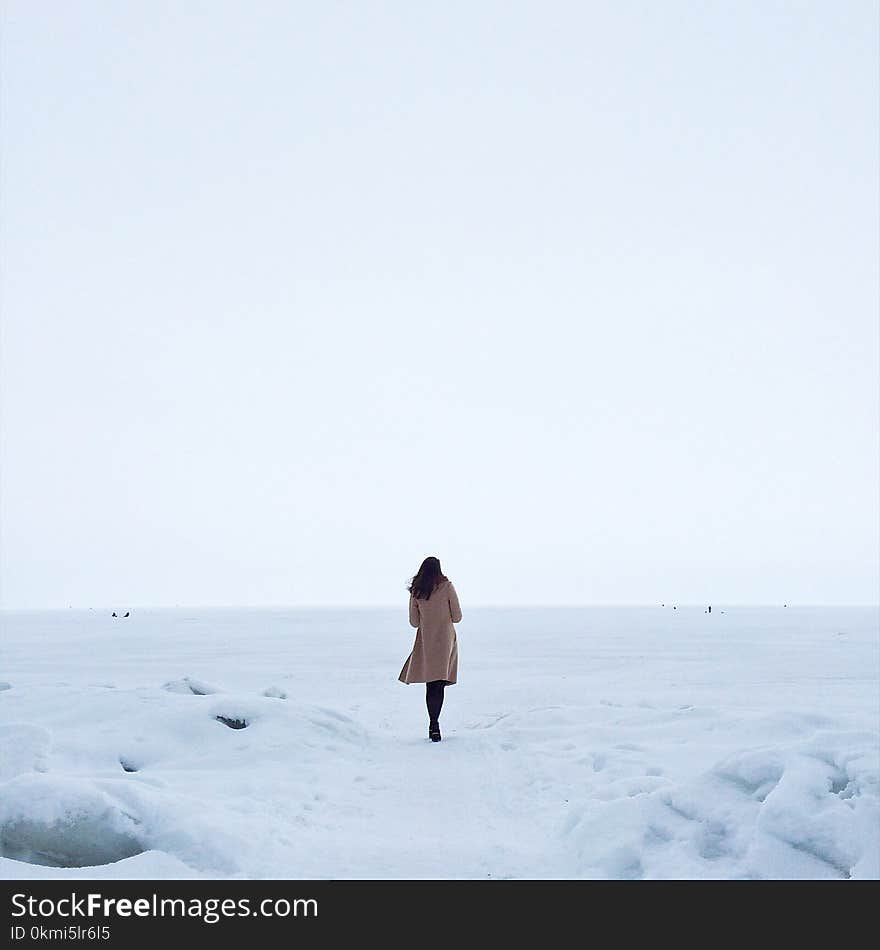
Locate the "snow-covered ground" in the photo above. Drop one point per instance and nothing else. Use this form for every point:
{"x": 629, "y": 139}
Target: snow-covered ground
{"x": 598, "y": 742}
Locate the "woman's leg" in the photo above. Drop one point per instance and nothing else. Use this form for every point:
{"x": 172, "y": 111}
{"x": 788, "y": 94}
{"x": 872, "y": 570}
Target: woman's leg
{"x": 434, "y": 699}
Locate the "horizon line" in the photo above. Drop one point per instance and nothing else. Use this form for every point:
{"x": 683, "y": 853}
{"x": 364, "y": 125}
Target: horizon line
{"x": 483, "y": 606}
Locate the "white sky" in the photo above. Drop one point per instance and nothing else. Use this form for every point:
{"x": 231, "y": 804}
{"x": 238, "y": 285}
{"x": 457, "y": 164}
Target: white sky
{"x": 581, "y": 297}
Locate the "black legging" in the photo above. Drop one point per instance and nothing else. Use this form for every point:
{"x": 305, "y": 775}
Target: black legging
{"x": 434, "y": 698}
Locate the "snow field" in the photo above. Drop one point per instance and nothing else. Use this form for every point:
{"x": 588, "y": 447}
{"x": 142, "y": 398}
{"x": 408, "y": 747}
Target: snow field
{"x": 593, "y": 743}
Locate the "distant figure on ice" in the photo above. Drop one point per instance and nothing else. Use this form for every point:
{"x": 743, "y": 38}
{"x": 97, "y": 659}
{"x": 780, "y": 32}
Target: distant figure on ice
{"x": 127, "y": 612}
{"x": 113, "y": 614}
{"x": 709, "y": 610}
{"x": 433, "y": 609}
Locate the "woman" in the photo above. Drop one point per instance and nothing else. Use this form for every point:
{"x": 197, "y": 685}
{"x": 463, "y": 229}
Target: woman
{"x": 433, "y": 609}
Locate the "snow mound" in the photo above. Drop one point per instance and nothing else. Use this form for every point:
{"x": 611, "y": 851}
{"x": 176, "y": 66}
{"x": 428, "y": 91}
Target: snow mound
{"x": 73, "y": 822}
{"x": 189, "y": 684}
{"x": 809, "y": 811}
{"x": 64, "y": 822}
{"x": 158, "y": 770}
{"x": 237, "y": 712}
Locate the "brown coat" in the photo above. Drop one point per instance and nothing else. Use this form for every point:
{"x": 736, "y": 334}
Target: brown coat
{"x": 435, "y": 651}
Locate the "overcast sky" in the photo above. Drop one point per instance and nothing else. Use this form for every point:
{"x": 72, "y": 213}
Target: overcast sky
{"x": 581, "y": 297}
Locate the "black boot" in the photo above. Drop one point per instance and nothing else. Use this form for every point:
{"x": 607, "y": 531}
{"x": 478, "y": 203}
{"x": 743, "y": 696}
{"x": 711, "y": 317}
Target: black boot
{"x": 434, "y": 732}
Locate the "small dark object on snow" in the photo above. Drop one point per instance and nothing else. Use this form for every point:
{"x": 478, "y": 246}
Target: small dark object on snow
{"x": 127, "y": 766}
{"x": 232, "y": 723}
{"x": 127, "y": 612}
{"x": 710, "y": 609}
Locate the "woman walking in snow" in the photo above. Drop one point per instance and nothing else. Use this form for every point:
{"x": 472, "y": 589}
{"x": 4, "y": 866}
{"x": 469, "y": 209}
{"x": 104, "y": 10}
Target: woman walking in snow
{"x": 433, "y": 609}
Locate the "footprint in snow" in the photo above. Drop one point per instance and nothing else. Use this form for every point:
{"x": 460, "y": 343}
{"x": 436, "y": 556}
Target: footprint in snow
{"x": 26, "y": 749}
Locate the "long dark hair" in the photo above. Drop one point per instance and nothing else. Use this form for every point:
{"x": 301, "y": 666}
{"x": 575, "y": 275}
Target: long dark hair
{"x": 428, "y": 578}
